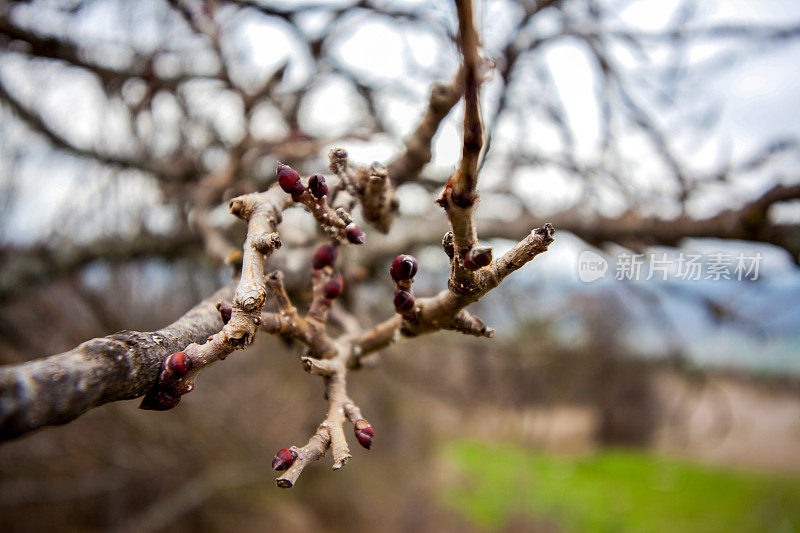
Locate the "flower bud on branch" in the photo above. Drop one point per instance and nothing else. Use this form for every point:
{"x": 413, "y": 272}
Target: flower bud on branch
{"x": 403, "y": 267}
{"x": 225, "y": 311}
{"x": 333, "y": 288}
{"x": 403, "y": 301}
{"x": 478, "y": 257}
{"x": 447, "y": 244}
{"x": 337, "y": 223}
{"x": 355, "y": 234}
{"x": 167, "y": 393}
{"x": 317, "y": 186}
{"x": 324, "y": 256}
{"x": 289, "y": 180}
{"x": 284, "y": 459}
{"x": 177, "y": 364}
{"x": 364, "y": 433}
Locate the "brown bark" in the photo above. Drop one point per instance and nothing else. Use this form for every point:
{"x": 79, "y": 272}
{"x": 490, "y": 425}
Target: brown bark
{"x": 57, "y": 389}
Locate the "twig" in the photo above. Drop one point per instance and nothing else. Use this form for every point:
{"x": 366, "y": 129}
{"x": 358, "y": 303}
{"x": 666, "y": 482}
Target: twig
{"x": 262, "y": 212}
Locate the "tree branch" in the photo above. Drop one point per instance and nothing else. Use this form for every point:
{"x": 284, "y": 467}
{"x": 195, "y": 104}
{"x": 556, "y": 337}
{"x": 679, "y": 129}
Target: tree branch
{"x": 263, "y": 212}
{"x": 57, "y": 389}
{"x": 407, "y": 166}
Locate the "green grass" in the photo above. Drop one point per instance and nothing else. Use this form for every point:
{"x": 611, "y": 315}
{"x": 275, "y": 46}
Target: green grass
{"x": 617, "y": 491}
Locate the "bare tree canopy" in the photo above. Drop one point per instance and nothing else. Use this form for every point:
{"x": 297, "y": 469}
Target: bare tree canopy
{"x": 185, "y": 116}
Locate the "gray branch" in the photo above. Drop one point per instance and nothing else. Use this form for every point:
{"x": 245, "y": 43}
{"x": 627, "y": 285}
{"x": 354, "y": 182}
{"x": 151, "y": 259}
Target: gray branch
{"x": 57, "y": 389}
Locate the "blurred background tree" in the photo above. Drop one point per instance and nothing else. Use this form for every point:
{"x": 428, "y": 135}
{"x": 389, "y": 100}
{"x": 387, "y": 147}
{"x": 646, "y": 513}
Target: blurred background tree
{"x": 127, "y": 127}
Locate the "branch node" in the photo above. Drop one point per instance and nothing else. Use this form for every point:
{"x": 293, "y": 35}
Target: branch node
{"x": 546, "y": 233}
{"x": 267, "y": 242}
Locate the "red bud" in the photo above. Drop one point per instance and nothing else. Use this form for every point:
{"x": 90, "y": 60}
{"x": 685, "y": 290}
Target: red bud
{"x": 225, "y": 311}
{"x": 403, "y": 267}
{"x": 478, "y": 257}
{"x": 403, "y": 301}
{"x": 355, "y": 234}
{"x": 334, "y": 287}
{"x": 317, "y": 186}
{"x": 324, "y": 256}
{"x": 284, "y": 459}
{"x": 289, "y": 180}
{"x": 160, "y": 400}
{"x": 364, "y": 433}
{"x": 178, "y": 363}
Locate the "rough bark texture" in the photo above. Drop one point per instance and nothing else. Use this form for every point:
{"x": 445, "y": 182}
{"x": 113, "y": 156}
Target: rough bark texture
{"x": 57, "y": 389}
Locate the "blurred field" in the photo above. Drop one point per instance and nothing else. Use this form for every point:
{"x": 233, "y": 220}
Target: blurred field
{"x": 435, "y": 403}
{"x": 615, "y": 490}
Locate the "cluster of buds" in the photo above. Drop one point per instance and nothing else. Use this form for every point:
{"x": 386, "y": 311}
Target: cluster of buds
{"x": 166, "y": 394}
{"x": 323, "y": 259}
{"x": 285, "y": 457}
{"x": 475, "y": 258}
{"x": 291, "y": 183}
{"x": 403, "y": 269}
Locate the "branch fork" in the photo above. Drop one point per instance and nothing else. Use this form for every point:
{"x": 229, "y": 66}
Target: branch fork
{"x": 175, "y": 361}
{"x": 369, "y": 185}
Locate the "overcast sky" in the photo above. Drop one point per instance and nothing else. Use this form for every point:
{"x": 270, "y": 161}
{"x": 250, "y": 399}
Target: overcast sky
{"x": 756, "y": 100}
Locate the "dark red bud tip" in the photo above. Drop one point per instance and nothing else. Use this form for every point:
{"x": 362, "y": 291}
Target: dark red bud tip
{"x": 283, "y": 459}
{"x": 160, "y": 400}
{"x": 317, "y": 186}
{"x": 225, "y": 311}
{"x": 289, "y": 180}
{"x": 478, "y": 257}
{"x": 403, "y": 267}
{"x": 355, "y": 234}
{"x": 178, "y": 363}
{"x": 403, "y": 301}
{"x": 448, "y": 245}
{"x": 334, "y": 287}
{"x": 324, "y": 256}
{"x": 364, "y": 433}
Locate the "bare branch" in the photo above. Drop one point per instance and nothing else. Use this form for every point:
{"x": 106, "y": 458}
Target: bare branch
{"x": 262, "y": 211}
{"x": 465, "y": 180}
{"x": 407, "y": 166}
{"x": 370, "y": 186}
{"x": 438, "y": 312}
{"x": 57, "y": 389}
